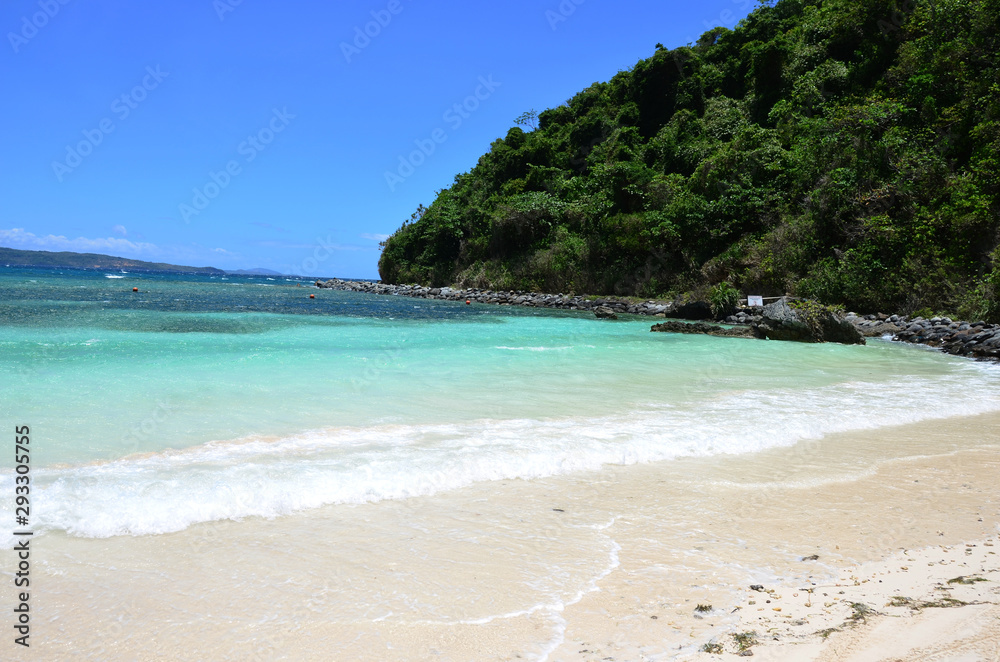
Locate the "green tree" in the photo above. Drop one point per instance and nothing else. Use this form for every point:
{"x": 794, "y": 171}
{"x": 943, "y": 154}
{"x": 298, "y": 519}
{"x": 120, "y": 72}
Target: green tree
{"x": 528, "y": 119}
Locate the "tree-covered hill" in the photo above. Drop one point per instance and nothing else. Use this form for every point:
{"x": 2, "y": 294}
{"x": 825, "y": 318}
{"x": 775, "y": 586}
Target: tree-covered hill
{"x": 847, "y": 150}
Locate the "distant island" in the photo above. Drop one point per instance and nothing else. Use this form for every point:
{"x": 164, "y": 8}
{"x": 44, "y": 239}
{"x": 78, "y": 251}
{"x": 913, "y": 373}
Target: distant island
{"x": 21, "y": 258}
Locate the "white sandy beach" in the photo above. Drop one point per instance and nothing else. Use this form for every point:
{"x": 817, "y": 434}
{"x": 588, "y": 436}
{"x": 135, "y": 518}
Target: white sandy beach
{"x": 609, "y": 565}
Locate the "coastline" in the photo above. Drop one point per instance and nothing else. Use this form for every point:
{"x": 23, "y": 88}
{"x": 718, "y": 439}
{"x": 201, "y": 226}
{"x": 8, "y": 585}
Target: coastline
{"x": 976, "y": 339}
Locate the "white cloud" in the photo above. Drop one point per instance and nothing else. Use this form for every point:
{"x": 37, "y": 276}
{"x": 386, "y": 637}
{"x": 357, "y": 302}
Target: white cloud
{"x": 374, "y": 237}
{"x": 120, "y": 229}
{"x": 18, "y": 238}
{"x": 221, "y": 250}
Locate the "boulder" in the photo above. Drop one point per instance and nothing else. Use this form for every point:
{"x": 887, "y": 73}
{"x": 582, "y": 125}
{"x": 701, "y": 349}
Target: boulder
{"x": 605, "y": 313}
{"x": 806, "y": 322}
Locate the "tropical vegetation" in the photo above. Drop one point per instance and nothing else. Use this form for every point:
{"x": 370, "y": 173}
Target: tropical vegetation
{"x": 842, "y": 150}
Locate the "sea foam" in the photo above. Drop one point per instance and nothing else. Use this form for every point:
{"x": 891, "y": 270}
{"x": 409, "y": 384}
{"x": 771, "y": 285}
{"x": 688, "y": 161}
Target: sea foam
{"x": 267, "y": 477}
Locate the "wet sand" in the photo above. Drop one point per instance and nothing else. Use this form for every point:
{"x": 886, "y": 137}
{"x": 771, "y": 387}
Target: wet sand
{"x": 604, "y": 565}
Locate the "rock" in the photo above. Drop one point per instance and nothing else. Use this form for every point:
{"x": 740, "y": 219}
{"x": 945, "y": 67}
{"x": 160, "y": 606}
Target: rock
{"x": 780, "y": 322}
{"x": 807, "y": 322}
{"x": 756, "y": 587}
{"x": 693, "y": 310}
{"x": 605, "y": 313}
{"x": 878, "y": 329}
{"x": 811, "y": 557}
{"x": 702, "y": 328}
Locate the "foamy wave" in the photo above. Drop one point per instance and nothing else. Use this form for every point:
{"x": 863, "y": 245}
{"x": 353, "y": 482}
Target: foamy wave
{"x": 172, "y": 490}
{"x": 113, "y": 276}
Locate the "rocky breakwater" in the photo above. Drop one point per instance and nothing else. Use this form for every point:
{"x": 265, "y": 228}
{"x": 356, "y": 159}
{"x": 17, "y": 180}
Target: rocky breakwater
{"x": 976, "y": 339}
{"x": 607, "y": 306}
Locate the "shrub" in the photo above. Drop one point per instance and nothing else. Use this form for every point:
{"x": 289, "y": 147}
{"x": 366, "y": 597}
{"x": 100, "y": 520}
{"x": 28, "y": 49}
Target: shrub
{"x": 724, "y": 299}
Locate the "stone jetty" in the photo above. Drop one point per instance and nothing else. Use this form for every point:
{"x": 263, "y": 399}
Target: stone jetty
{"x": 507, "y": 298}
{"x": 976, "y": 339}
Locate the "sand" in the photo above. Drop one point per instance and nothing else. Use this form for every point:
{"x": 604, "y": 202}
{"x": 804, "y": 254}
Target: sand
{"x": 936, "y": 603}
{"x": 932, "y": 505}
{"x": 610, "y": 565}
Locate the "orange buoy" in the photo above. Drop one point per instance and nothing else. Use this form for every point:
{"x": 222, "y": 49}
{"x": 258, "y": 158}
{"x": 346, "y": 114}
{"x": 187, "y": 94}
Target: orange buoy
{"x": 312, "y": 296}
{"x": 135, "y": 289}
{"x": 467, "y": 302}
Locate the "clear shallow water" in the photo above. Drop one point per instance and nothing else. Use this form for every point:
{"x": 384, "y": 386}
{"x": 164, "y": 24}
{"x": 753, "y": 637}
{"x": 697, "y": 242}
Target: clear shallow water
{"x": 201, "y": 399}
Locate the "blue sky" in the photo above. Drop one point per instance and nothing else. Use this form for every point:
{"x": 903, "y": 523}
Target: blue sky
{"x": 248, "y": 133}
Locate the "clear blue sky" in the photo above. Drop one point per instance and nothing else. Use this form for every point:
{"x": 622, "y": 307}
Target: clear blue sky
{"x": 115, "y": 113}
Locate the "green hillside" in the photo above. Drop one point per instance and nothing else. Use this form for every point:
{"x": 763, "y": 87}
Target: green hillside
{"x": 15, "y": 257}
{"x": 842, "y": 150}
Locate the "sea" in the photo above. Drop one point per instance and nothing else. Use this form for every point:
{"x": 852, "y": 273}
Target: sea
{"x": 228, "y": 442}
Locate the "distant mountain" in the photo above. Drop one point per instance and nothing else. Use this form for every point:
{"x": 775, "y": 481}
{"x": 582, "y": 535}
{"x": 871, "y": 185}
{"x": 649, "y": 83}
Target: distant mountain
{"x": 255, "y": 272}
{"x": 12, "y": 257}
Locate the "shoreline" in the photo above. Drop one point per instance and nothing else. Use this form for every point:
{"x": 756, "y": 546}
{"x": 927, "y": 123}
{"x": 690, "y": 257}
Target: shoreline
{"x": 636, "y": 547}
{"x": 978, "y": 339}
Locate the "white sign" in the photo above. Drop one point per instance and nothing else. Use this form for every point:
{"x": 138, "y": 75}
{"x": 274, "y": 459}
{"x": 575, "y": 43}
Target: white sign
{"x": 754, "y": 300}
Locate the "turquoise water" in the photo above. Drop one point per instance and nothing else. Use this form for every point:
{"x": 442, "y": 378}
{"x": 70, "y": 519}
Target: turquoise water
{"x": 202, "y": 398}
